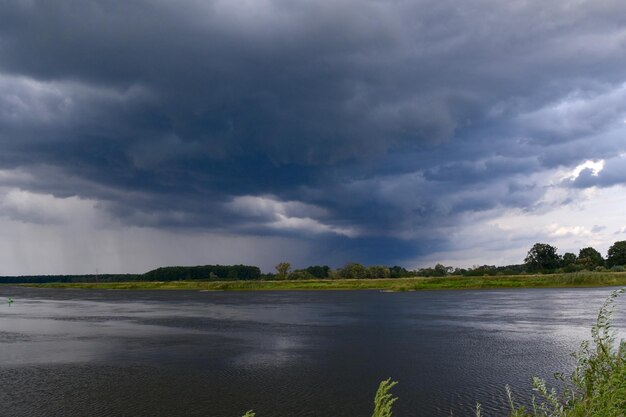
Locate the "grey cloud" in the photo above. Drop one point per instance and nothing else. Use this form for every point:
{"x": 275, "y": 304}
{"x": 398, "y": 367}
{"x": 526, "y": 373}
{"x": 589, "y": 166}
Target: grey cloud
{"x": 483, "y": 170}
{"x": 598, "y": 228}
{"x": 341, "y": 74}
{"x": 577, "y": 115}
{"x": 386, "y": 117}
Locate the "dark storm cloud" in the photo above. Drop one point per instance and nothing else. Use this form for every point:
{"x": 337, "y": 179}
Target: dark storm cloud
{"x": 390, "y": 119}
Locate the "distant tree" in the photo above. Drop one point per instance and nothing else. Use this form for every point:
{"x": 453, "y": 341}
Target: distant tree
{"x": 173, "y": 273}
{"x": 319, "y": 271}
{"x": 282, "y": 270}
{"x": 399, "y": 272}
{"x": 378, "y": 271}
{"x": 425, "y": 272}
{"x": 510, "y": 270}
{"x": 589, "y": 258}
{"x": 482, "y": 270}
{"x": 441, "y": 270}
{"x": 353, "y": 270}
{"x": 568, "y": 259}
{"x": 333, "y": 274}
{"x": 301, "y": 274}
{"x": 542, "y": 257}
{"x": 617, "y": 254}
{"x": 269, "y": 276}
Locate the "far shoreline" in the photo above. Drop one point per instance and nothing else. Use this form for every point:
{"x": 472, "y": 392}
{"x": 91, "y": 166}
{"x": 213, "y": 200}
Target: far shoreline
{"x": 562, "y": 280}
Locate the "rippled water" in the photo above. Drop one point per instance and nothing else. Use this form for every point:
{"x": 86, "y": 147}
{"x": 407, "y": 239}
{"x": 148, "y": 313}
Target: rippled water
{"x": 293, "y": 353}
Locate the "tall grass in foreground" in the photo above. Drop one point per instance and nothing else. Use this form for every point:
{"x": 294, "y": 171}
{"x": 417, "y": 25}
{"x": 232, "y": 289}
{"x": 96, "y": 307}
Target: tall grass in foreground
{"x": 596, "y": 388}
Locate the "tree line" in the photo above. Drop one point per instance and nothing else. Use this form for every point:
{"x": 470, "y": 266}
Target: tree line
{"x": 541, "y": 258}
{"x": 168, "y": 273}
{"x": 351, "y": 270}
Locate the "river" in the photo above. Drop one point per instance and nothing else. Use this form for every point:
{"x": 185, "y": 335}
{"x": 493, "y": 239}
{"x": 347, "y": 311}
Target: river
{"x": 72, "y": 353}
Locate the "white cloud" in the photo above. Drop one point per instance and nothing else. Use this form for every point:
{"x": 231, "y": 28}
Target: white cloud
{"x": 557, "y": 230}
{"x": 269, "y": 212}
{"x": 594, "y": 166}
{"x": 268, "y": 206}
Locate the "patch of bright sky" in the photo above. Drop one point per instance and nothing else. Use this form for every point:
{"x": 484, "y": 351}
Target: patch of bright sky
{"x": 595, "y": 218}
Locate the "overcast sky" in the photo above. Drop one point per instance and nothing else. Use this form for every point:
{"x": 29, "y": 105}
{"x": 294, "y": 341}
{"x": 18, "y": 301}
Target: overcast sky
{"x": 141, "y": 133}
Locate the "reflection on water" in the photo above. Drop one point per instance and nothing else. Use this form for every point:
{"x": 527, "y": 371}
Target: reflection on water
{"x": 285, "y": 354}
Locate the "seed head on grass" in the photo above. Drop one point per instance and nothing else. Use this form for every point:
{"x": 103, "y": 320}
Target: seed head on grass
{"x": 478, "y": 411}
{"x": 383, "y": 401}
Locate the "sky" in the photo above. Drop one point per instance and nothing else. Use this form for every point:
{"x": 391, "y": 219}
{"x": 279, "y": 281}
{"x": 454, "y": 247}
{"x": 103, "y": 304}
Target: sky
{"x": 136, "y": 134}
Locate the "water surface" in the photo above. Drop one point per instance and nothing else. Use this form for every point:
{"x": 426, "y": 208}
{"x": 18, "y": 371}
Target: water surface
{"x": 83, "y": 353}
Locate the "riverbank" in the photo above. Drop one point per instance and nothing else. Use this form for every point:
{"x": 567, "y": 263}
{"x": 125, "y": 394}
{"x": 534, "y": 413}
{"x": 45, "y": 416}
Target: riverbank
{"x": 578, "y": 279}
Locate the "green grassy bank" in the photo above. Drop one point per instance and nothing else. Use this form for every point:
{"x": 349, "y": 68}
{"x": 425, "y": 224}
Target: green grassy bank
{"x": 577, "y": 279}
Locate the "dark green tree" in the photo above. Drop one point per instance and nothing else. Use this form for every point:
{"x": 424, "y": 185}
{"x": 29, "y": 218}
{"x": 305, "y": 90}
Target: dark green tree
{"x": 300, "y": 274}
{"x": 568, "y": 259}
{"x": 542, "y": 257}
{"x": 441, "y": 270}
{"x": 378, "y": 271}
{"x": 617, "y": 254}
{"x": 226, "y": 272}
{"x": 590, "y": 258}
{"x": 319, "y": 271}
{"x": 399, "y": 272}
{"x": 353, "y": 270}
